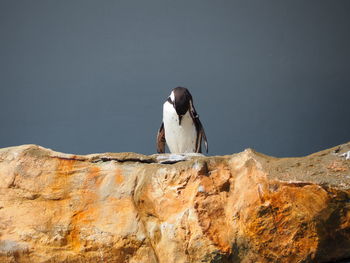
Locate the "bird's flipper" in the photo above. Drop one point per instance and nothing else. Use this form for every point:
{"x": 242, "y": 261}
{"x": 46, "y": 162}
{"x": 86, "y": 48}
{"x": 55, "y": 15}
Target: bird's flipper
{"x": 161, "y": 139}
{"x": 205, "y": 139}
{"x": 200, "y": 130}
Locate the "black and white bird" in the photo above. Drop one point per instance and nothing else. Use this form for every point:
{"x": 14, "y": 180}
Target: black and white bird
{"x": 181, "y": 128}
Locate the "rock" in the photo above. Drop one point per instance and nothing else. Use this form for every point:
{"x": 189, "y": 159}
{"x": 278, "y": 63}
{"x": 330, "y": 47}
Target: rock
{"x": 127, "y": 207}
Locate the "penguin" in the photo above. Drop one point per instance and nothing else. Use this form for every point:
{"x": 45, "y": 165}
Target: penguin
{"x": 181, "y": 128}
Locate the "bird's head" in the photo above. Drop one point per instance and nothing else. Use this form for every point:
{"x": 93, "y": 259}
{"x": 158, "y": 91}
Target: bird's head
{"x": 180, "y": 98}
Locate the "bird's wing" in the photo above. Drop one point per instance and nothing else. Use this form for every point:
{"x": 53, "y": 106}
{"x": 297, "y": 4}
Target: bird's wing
{"x": 161, "y": 139}
{"x": 200, "y": 130}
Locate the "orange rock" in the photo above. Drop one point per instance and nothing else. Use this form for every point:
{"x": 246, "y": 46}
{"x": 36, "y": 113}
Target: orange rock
{"x": 126, "y": 207}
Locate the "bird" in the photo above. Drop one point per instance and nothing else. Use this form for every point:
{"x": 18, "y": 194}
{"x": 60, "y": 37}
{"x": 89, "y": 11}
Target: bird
{"x": 181, "y": 128}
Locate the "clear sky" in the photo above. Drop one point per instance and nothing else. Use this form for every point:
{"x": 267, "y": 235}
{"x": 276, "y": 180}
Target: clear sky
{"x": 83, "y": 76}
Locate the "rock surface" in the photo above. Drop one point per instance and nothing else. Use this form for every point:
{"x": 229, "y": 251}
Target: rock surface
{"x": 127, "y": 207}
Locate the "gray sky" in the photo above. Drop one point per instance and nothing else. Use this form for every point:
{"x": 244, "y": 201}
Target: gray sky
{"x": 91, "y": 76}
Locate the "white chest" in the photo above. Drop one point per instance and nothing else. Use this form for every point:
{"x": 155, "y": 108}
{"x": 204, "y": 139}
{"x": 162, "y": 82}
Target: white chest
{"x": 179, "y": 138}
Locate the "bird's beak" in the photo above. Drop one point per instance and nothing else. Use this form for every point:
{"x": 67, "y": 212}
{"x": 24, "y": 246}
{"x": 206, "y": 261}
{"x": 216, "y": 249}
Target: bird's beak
{"x": 180, "y": 118}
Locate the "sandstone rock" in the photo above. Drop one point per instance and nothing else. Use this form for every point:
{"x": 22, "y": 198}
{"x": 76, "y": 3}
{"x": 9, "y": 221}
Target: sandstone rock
{"x": 127, "y": 207}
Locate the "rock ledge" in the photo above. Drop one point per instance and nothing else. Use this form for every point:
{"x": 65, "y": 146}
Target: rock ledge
{"x": 128, "y": 207}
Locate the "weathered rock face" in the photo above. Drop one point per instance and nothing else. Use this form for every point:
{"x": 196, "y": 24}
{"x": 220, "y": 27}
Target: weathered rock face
{"x": 127, "y": 207}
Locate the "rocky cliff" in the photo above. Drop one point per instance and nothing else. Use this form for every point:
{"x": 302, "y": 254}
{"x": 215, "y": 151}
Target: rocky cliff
{"x": 127, "y": 207}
